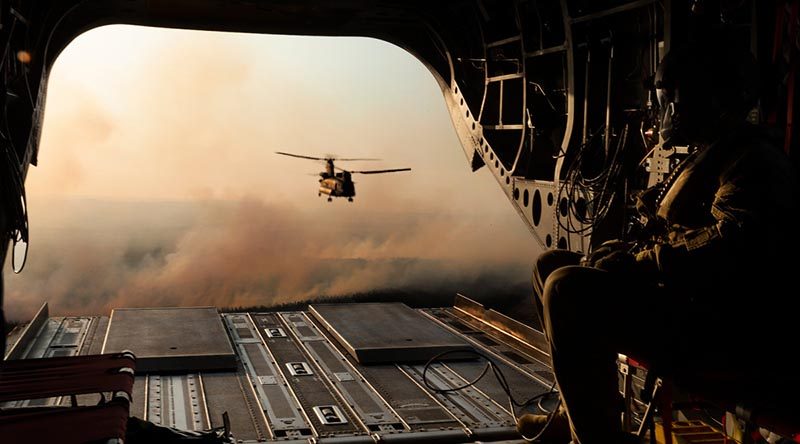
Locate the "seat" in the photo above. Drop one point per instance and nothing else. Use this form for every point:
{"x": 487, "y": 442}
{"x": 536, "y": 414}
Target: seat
{"x": 71, "y": 425}
{"x": 75, "y": 375}
{"x": 67, "y": 376}
{"x": 773, "y": 406}
{"x": 756, "y": 403}
{"x": 656, "y": 393}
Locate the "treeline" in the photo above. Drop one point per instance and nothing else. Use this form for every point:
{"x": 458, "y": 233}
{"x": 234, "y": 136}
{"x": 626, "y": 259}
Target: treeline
{"x": 10, "y": 325}
{"x": 514, "y": 302}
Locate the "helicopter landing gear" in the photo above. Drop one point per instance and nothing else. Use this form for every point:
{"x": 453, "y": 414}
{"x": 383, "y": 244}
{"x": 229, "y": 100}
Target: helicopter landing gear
{"x": 330, "y": 199}
{"x": 349, "y": 199}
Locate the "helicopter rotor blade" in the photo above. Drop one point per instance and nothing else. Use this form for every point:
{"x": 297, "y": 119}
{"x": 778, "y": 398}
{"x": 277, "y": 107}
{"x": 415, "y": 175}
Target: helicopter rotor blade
{"x": 300, "y": 156}
{"x": 395, "y": 170}
{"x": 352, "y": 159}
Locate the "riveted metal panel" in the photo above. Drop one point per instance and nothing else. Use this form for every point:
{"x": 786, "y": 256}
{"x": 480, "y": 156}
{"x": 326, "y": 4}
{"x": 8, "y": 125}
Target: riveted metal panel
{"x": 377, "y": 333}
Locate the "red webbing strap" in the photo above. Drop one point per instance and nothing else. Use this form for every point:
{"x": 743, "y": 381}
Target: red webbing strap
{"x": 45, "y": 378}
{"x": 108, "y": 381}
{"x": 777, "y": 42}
{"x": 777, "y": 38}
{"x": 790, "y": 98}
{"x": 67, "y": 426}
{"x": 40, "y": 367}
{"x": 61, "y": 361}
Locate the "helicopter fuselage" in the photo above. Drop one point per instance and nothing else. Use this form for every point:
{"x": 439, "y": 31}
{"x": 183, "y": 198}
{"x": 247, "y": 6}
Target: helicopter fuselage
{"x": 337, "y": 184}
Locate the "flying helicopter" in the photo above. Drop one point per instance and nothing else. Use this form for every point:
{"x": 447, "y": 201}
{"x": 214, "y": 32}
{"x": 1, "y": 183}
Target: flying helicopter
{"x": 339, "y": 184}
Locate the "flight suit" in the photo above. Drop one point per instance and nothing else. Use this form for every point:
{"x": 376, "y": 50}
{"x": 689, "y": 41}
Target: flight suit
{"x": 692, "y": 298}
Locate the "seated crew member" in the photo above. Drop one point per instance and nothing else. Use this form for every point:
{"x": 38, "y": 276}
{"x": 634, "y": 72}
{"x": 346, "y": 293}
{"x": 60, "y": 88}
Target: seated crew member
{"x": 705, "y": 289}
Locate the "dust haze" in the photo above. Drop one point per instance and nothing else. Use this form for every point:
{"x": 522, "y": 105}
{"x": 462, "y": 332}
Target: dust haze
{"x": 158, "y": 185}
{"x": 247, "y": 252}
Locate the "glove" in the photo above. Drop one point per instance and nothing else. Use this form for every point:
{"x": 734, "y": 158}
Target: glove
{"x": 605, "y": 249}
{"x": 646, "y": 200}
{"x": 618, "y": 261}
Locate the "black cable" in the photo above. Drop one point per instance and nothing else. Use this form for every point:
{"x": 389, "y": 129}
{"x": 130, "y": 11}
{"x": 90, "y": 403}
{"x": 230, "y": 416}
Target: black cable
{"x": 539, "y": 402}
{"x": 573, "y": 184}
{"x": 490, "y": 363}
{"x": 501, "y": 379}
{"x": 597, "y": 193}
{"x": 12, "y": 184}
{"x": 8, "y": 44}
{"x": 13, "y": 201}
{"x": 547, "y": 423}
{"x": 455, "y": 389}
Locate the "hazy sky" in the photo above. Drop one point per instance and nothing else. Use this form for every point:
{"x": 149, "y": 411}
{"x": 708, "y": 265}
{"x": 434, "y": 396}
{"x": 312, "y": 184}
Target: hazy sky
{"x": 158, "y": 184}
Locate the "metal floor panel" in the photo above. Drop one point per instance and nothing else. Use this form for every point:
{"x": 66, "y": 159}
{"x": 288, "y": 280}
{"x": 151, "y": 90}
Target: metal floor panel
{"x": 489, "y": 340}
{"x": 522, "y": 386}
{"x": 377, "y": 333}
{"x": 93, "y": 345}
{"x": 44, "y": 338}
{"x": 526, "y": 376}
{"x": 190, "y": 339}
{"x": 310, "y": 387}
{"x": 176, "y": 401}
{"x": 414, "y": 405}
{"x": 227, "y": 392}
{"x": 139, "y": 401}
{"x": 371, "y": 409}
{"x": 57, "y": 337}
{"x": 417, "y": 408}
{"x": 71, "y": 333}
{"x": 281, "y": 408}
{"x": 470, "y": 406}
{"x": 92, "y": 342}
{"x": 69, "y": 337}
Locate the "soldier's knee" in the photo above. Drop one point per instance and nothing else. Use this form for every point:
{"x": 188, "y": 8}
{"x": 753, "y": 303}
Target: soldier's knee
{"x": 551, "y": 260}
{"x": 543, "y": 263}
{"x": 554, "y": 258}
{"x": 564, "y": 289}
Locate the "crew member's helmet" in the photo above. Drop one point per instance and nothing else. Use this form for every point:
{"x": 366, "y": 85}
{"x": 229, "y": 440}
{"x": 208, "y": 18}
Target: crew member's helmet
{"x": 703, "y": 91}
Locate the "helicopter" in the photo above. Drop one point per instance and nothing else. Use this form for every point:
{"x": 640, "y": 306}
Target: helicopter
{"x": 339, "y": 184}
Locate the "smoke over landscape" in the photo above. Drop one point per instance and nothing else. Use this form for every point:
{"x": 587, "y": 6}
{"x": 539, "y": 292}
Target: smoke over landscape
{"x": 248, "y": 252}
{"x": 158, "y": 185}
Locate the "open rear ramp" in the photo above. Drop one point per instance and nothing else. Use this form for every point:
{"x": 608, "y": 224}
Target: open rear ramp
{"x": 349, "y": 373}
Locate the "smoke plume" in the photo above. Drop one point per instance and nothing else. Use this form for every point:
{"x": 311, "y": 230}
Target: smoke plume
{"x": 173, "y": 134}
{"x": 248, "y": 252}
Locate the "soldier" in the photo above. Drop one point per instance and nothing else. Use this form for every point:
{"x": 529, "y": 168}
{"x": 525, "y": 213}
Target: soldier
{"x": 710, "y": 263}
